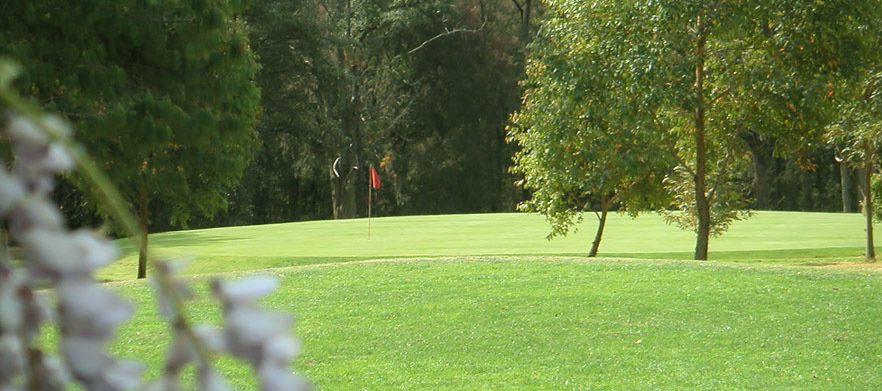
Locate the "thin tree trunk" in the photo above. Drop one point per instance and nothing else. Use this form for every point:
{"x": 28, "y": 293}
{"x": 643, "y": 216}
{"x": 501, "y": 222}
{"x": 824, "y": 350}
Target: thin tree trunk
{"x": 845, "y": 184}
{"x": 604, "y": 210}
{"x": 701, "y": 201}
{"x": 806, "y": 199}
{"x": 142, "y": 250}
{"x": 868, "y": 210}
{"x": 762, "y": 161}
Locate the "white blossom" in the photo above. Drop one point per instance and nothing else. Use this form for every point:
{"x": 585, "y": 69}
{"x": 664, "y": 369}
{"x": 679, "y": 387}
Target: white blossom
{"x": 211, "y": 336}
{"x": 12, "y": 361}
{"x": 58, "y": 125}
{"x": 87, "y": 309}
{"x": 85, "y": 356}
{"x": 279, "y": 378}
{"x": 35, "y": 212}
{"x": 248, "y": 289}
{"x": 43, "y": 161}
{"x": 11, "y": 191}
{"x": 10, "y": 316}
{"x": 282, "y": 349}
{"x": 248, "y": 328}
{"x": 87, "y": 313}
{"x": 73, "y": 254}
{"x": 25, "y": 133}
{"x": 55, "y": 371}
{"x": 209, "y": 380}
{"x": 124, "y": 375}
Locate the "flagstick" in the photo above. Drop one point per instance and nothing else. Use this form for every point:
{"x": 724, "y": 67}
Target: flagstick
{"x": 370, "y": 191}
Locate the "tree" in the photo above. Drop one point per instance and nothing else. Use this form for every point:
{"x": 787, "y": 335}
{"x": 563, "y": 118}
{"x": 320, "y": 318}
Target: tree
{"x": 298, "y": 81}
{"x": 427, "y": 88}
{"x": 580, "y": 147}
{"x": 708, "y": 71}
{"x": 162, "y": 92}
{"x": 858, "y": 134}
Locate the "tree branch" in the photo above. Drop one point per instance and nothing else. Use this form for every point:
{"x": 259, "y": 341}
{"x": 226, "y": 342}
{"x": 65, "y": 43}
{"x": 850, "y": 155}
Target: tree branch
{"x": 444, "y": 34}
{"x": 517, "y": 4}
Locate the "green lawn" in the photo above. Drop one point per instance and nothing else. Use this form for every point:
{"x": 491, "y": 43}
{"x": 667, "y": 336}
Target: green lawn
{"x": 780, "y": 236}
{"x": 483, "y": 302}
{"x": 556, "y": 323}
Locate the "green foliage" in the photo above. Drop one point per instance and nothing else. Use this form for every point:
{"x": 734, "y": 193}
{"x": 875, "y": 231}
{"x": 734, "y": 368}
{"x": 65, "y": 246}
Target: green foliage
{"x": 858, "y": 131}
{"x": 582, "y": 144}
{"x": 162, "y": 92}
{"x": 299, "y": 82}
{"x": 730, "y": 204}
{"x": 708, "y": 74}
{"x": 429, "y": 88}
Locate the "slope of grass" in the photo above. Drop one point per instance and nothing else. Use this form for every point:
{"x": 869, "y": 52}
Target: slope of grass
{"x": 553, "y": 323}
{"x": 782, "y": 236}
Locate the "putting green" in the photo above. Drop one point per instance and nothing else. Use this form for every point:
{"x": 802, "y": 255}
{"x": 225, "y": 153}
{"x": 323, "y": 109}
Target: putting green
{"x": 509, "y": 234}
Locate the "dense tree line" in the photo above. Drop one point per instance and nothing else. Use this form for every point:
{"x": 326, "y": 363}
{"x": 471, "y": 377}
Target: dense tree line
{"x": 424, "y": 91}
{"x": 420, "y": 89}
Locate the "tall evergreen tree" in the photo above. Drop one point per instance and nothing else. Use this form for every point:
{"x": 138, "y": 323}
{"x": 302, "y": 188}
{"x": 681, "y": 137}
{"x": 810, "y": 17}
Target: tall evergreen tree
{"x": 162, "y": 92}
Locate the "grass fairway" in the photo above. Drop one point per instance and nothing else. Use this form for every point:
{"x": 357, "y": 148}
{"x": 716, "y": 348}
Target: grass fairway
{"x": 555, "y": 323}
{"x": 783, "y": 237}
{"x": 484, "y": 302}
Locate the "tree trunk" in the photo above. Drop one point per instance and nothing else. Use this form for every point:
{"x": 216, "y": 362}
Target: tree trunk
{"x": 806, "y": 199}
{"x": 526, "y": 10}
{"x": 762, "y": 163}
{"x": 701, "y": 202}
{"x": 604, "y": 210}
{"x": 868, "y": 210}
{"x": 142, "y": 248}
{"x": 845, "y": 184}
{"x": 336, "y": 189}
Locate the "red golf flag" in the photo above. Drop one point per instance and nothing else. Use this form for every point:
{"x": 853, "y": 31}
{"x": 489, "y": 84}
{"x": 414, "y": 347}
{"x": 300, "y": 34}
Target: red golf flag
{"x": 375, "y": 178}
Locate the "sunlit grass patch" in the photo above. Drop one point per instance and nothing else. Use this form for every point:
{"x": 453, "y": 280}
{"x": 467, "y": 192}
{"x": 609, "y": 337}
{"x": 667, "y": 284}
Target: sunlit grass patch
{"x": 563, "y": 323}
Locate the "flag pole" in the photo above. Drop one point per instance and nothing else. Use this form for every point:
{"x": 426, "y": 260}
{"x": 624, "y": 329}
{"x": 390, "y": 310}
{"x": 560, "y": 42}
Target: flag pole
{"x": 370, "y": 193}
{"x": 373, "y": 183}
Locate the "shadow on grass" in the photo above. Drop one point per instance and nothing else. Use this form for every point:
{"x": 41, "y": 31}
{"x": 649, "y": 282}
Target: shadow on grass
{"x": 179, "y": 239}
{"x": 795, "y": 256}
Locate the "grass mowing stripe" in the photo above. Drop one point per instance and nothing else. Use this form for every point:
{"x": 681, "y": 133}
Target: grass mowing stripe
{"x": 535, "y": 323}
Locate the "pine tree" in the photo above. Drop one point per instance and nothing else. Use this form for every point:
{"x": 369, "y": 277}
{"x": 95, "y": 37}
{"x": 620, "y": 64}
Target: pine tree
{"x": 162, "y": 92}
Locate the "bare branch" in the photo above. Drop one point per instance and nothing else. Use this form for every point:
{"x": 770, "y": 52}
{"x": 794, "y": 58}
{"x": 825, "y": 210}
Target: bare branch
{"x": 444, "y": 34}
{"x": 518, "y": 4}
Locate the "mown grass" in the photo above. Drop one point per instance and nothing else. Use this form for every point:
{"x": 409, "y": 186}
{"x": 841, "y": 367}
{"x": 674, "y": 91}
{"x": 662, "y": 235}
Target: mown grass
{"x": 782, "y": 237}
{"x": 478, "y": 302}
{"x": 553, "y": 323}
